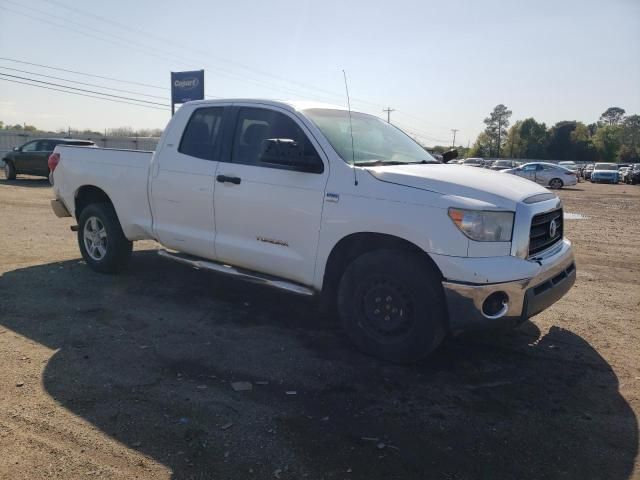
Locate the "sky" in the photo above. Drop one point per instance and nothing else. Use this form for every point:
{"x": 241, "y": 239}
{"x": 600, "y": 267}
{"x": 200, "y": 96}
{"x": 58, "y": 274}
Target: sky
{"x": 440, "y": 65}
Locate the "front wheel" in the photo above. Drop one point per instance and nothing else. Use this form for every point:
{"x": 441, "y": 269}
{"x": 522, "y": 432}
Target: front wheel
{"x": 556, "y": 183}
{"x": 391, "y": 305}
{"x": 9, "y": 170}
{"x": 102, "y": 242}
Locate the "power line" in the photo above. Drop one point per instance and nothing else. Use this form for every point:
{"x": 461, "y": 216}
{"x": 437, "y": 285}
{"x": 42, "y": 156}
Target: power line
{"x": 152, "y": 51}
{"x": 83, "y": 83}
{"x": 208, "y": 54}
{"x": 191, "y": 63}
{"x": 80, "y": 94}
{"x": 91, "y": 75}
{"x": 182, "y": 60}
{"x": 142, "y": 48}
{"x": 83, "y": 90}
{"x": 82, "y": 73}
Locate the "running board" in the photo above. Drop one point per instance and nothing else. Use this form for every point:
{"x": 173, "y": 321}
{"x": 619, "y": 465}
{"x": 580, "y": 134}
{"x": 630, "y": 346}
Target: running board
{"x": 246, "y": 275}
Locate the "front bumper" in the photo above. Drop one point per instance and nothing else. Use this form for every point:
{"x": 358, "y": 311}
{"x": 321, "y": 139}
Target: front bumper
{"x": 604, "y": 178}
{"x": 526, "y": 297}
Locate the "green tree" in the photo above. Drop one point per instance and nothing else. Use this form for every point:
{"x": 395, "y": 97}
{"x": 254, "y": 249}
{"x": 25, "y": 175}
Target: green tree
{"x": 513, "y": 145}
{"x": 582, "y": 144}
{"x": 607, "y": 142}
{"x": 122, "y": 132}
{"x": 533, "y": 139}
{"x": 612, "y": 115}
{"x": 630, "y": 138}
{"x": 481, "y": 147}
{"x": 628, "y": 154}
{"x": 561, "y": 145}
{"x": 497, "y": 123}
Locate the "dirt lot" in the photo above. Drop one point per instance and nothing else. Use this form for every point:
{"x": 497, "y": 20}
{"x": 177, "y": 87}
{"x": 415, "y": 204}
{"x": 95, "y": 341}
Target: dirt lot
{"x": 130, "y": 376}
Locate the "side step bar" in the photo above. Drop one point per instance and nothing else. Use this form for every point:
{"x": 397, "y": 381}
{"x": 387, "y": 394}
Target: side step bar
{"x": 247, "y": 275}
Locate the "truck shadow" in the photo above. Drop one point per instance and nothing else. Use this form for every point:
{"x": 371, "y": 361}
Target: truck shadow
{"x": 149, "y": 356}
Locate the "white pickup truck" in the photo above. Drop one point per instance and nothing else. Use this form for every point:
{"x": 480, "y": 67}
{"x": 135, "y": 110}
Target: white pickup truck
{"x": 316, "y": 200}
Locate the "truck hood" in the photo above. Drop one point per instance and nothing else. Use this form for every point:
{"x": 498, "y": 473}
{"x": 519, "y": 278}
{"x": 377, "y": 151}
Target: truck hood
{"x": 497, "y": 188}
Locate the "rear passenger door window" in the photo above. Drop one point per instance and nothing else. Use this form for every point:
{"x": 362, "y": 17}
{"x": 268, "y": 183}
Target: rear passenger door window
{"x": 200, "y": 138}
{"x": 271, "y": 139}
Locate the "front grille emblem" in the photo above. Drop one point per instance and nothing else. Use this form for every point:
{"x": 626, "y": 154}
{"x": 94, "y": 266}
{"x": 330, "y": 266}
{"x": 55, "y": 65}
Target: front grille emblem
{"x": 553, "y": 228}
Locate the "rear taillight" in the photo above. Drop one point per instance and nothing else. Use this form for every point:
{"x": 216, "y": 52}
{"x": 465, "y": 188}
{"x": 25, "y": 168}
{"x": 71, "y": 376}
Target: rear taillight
{"x": 569, "y": 173}
{"x": 53, "y": 161}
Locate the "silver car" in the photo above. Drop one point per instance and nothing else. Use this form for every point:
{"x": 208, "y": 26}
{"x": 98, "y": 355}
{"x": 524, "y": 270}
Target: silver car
{"x": 547, "y": 174}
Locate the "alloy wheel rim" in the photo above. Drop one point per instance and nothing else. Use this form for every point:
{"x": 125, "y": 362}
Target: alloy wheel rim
{"x": 95, "y": 238}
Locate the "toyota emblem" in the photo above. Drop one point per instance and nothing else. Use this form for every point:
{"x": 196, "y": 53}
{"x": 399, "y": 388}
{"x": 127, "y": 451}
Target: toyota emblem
{"x": 553, "y": 228}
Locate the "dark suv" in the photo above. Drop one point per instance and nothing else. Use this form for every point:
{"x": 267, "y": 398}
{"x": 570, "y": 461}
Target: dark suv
{"x": 633, "y": 174}
{"x": 32, "y": 157}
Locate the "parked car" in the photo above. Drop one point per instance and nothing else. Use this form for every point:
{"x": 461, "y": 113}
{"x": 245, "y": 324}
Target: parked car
{"x": 622, "y": 172}
{"x": 605, "y": 173}
{"x": 586, "y": 173}
{"x": 570, "y": 165}
{"x": 474, "y": 162}
{"x": 32, "y": 157}
{"x": 503, "y": 164}
{"x": 547, "y": 174}
{"x": 633, "y": 174}
{"x": 406, "y": 248}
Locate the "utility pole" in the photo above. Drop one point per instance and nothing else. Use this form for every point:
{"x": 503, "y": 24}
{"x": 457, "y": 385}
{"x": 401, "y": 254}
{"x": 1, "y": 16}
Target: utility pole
{"x": 499, "y": 132}
{"x": 454, "y": 130}
{"x": 388, "y": 110}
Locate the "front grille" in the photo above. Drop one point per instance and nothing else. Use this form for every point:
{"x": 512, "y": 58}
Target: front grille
{"x": 540, "y": 236}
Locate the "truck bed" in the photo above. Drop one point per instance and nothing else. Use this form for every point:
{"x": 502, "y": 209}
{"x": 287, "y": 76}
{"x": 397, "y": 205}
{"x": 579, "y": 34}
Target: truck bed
{"x": 121, "y": 174}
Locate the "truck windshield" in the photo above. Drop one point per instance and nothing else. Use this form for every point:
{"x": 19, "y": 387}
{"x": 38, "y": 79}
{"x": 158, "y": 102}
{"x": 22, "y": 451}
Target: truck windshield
{"x": 375, "y": 142}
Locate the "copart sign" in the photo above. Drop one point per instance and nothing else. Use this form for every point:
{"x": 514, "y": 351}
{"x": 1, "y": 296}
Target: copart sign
{"x": 187, "y": 86}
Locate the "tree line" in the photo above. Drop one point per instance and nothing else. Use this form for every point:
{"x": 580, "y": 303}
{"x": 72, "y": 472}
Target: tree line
{"x": 615, "y": 137}
{"x": 113, "y": 132}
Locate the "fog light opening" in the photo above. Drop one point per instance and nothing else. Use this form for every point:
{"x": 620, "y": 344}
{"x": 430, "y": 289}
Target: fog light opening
{"x": 495, "y": 305}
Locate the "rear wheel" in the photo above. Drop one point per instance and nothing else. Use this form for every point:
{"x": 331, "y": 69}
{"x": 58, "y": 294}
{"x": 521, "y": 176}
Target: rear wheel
{"x": 556, "y": 183}
{"x": 391, "y": 305}
{"x": 9, "y": 170}
{"x": 102, "y": 242}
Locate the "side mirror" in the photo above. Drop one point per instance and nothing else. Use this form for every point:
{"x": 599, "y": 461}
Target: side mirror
{"x": 286, "y": 152}
{"x": 449, "y": 155}
{"x": 16, "y": 149}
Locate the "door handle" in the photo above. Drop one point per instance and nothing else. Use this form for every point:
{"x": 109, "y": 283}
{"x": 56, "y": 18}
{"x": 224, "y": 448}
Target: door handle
{"x": 225, "y": 179}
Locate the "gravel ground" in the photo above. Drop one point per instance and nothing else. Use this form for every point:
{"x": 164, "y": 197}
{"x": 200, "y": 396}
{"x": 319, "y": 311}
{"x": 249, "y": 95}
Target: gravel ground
{"x": 133, "y": 376}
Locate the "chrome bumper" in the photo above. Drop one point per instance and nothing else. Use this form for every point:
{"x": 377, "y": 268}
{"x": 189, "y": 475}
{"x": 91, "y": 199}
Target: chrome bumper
{"x": 526, "y": 297}
{"x": 59, "y": 209}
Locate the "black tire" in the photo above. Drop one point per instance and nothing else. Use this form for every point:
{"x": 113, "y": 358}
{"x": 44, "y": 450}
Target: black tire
{"x": 9, "y": 170}
{"x": 391, "y": 305}
{"x": 114, "y": 245}
{"x": 556, "y": 183}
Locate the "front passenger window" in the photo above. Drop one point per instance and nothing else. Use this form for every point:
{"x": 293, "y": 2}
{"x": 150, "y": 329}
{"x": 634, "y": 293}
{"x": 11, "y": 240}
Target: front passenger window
{"x": 271, "y": 139}
{"x": 29, "y": 147}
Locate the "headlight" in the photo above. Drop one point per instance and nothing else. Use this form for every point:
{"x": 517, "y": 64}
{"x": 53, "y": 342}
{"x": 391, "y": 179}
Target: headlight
{"x": 483, "y": 226}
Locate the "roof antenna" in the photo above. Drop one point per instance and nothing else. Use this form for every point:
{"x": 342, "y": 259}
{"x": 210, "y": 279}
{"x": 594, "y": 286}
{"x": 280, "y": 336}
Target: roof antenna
{"x": 353, "y": 151}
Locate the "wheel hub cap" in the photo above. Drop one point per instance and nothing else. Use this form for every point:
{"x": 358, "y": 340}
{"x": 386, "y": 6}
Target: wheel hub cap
{"x": 95, "y": 238}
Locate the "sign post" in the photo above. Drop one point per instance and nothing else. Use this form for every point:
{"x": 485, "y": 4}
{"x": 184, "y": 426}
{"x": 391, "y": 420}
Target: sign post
{"x": 186, "y": 86}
